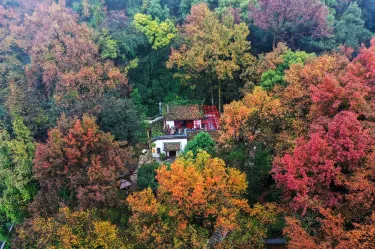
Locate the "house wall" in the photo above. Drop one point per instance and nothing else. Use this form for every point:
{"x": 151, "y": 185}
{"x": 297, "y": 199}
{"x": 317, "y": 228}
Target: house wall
{"x": 171, "y": 123}
{"x": 160, "y": 144}
{"x": 201, "y": 123}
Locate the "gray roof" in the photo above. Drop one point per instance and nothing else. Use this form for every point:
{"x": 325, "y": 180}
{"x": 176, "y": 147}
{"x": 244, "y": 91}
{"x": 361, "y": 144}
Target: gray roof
{"x": 174, "y": 146}
{"x": 166, "y": 137}
{"x": 125, "y": 183}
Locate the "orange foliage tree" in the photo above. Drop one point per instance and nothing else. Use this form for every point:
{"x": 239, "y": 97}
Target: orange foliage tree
{"x": 250, "y": 129}
{"x": 254, "y": 118}
{"x": 195, "y": 197}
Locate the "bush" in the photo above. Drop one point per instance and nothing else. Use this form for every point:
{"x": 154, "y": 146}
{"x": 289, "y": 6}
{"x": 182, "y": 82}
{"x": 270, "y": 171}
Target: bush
{"x": 202, "y": 141}
{"x": 163, "y": 156}
{"x": 146, "y": 176}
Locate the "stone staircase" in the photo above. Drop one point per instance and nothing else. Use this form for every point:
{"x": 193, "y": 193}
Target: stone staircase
{"x": 143, "y": 159}
{"x": 217, "y": 237}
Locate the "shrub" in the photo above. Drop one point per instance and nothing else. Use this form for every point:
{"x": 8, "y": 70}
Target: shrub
{"x": 146, "y": 176}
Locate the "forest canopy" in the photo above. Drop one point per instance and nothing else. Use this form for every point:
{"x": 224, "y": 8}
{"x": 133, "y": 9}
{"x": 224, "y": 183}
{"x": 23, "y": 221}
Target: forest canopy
{"x": 86, "y": 86}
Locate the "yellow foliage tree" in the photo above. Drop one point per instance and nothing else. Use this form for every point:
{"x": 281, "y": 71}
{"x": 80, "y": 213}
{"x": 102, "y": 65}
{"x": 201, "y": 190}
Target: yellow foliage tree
{"x": 217, "y": 49}
{"x": 67, "y": 229}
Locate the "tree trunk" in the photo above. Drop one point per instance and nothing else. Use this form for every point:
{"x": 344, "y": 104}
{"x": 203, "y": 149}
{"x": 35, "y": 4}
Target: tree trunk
{"x": 212, "y": 94}
{"x": 85, "y": 6}
{"x": 219, "y": 96}
{"x": 292, "y": 38}
{"x": 274, "y": 40}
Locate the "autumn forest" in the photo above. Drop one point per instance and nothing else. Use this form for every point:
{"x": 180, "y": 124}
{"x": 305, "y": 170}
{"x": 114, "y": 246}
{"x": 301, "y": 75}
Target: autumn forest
{"x": 228, "y": 124}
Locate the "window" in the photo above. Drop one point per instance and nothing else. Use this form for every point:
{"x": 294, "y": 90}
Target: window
{"x": 158, "y": 150}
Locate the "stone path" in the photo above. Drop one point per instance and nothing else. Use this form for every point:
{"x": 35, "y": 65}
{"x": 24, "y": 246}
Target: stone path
{"x": 143, "y": 159}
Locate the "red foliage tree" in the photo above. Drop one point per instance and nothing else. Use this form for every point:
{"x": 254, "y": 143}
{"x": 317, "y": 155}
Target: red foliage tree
{"x": 296, "y": 17}
{"x": 330, "y": 173}
{"x": 78, "y": 166}
{"x": 362, "y": 71}
{"x": 317, "y": 167}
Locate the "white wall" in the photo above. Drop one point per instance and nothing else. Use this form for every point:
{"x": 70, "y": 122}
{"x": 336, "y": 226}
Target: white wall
{"x": 170, "y": 123}
{"x": 200, "y": 127}
{"x": 160, "y": 144}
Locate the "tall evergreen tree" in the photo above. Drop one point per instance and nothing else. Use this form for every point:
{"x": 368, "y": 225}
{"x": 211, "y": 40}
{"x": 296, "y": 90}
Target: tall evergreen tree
{"x": 17, "y": 184}
{"x": 349, "y": 29}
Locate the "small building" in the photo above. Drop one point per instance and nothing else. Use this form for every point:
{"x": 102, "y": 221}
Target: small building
{"x": 181, "y": 123}
{"x": 181, "y": 117}
{"x": 170, "y": 145}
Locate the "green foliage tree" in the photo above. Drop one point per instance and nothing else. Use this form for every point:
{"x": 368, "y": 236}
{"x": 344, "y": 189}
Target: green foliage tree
{"x": 137, "y": 100}
{"x": 159, "y": 34}
{"x": 37, "y": 113}
{"x": 240, "y": 7}
{"x": 202, "y": 141}
{"x": 368, "y": 10}
{"x": 154, "y": 8}
{"x": 146, "y": 176}
{"x": 121, "y": 118}
{"x": 258, "y": 173}
{"x": 108, "y": 46}
{"x": 92, "y": 11}
{"x": 153, "y": 82}
{"x": 144, "y": 65}
{"x": 349, "y": 29}
{"x": 256, "y": 167}
{"x": 273, "y": 77}
{"x": 17, "y": 184}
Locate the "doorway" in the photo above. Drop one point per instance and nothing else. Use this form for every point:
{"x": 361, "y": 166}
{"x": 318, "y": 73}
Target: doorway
{"x": 172, "y": 153}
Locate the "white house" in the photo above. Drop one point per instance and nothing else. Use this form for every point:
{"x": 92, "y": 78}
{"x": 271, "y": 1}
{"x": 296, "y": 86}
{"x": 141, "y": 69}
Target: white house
{"x": 171, "y": 145}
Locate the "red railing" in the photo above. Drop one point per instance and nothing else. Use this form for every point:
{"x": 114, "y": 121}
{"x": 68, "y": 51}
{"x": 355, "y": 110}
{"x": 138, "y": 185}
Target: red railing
{"x": 211, "y": 117}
